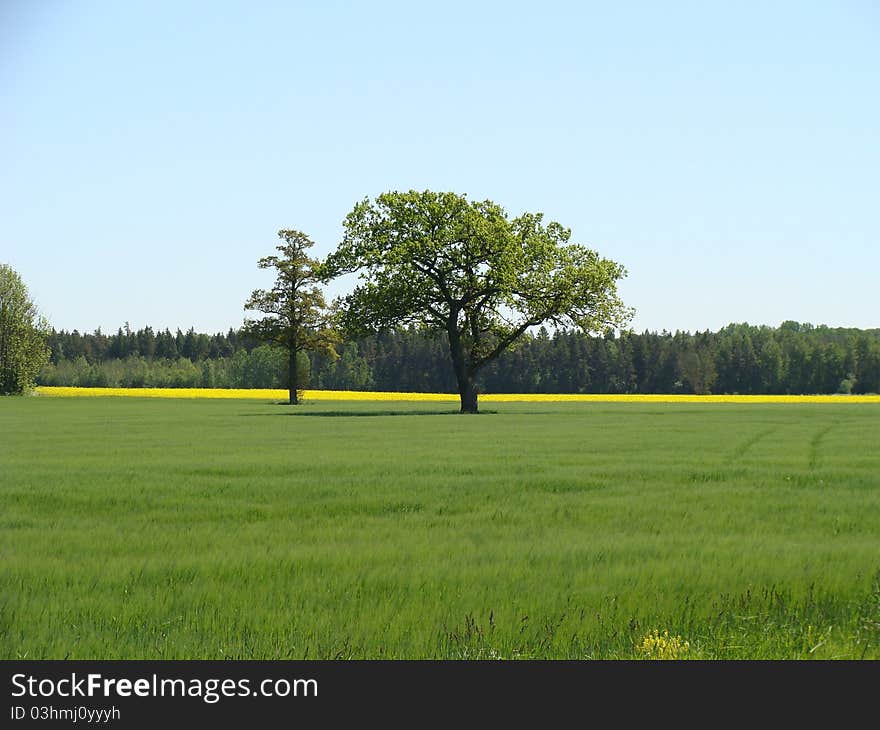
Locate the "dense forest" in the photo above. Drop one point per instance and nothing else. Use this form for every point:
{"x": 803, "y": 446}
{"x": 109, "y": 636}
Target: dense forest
{"x": 793, "y": 358}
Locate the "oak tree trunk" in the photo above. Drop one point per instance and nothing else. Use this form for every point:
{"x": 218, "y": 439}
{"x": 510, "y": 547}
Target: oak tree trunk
{"x": 468, "y": 392}
{"x": 464, "y": 374}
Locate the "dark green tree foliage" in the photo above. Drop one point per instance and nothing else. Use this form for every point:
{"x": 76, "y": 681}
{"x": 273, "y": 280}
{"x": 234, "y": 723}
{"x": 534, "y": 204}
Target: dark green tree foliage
{"x": 265, "y": 366}
{"x": 697, "y": 370}
{"x": 296, "y": 313}
{"x": 867, "y": 370}
{"x": 465, "y": 270}
{"x": 23, "y": 349}
{"x": 793, "y": 359}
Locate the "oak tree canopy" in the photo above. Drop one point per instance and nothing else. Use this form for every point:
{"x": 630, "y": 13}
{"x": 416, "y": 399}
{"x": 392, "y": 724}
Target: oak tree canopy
{"x": 440, "y": 261}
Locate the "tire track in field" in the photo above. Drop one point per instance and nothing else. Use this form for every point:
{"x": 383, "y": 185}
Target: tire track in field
{"x": 740, "y": 450}
{"x": 816, "y": 443}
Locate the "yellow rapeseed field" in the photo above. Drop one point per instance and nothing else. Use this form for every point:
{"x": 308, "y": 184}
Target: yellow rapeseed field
{"x": 340, "y": 395}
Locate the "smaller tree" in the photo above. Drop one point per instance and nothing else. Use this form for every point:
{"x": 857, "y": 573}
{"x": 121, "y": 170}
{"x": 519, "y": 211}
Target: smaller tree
{"x": 23, "y": 332}
{"x": 296, "y": 318}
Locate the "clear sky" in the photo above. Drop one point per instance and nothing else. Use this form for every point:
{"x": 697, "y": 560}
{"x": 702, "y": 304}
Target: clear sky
{"x": 728, "y": 154}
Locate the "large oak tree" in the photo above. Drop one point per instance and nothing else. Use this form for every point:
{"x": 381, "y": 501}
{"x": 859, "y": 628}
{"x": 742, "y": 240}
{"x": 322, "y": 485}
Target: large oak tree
{"x": 443, "y": 262}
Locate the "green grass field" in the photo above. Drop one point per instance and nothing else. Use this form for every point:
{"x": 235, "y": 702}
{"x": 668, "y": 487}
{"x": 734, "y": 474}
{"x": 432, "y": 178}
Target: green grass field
{"x": 137, "y": 528}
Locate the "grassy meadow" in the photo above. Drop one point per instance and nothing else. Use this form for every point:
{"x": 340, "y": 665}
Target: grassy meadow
{"x": 210, "y": 528}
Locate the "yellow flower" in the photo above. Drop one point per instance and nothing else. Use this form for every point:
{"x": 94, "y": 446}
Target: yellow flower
{"x": 655, "y": 645}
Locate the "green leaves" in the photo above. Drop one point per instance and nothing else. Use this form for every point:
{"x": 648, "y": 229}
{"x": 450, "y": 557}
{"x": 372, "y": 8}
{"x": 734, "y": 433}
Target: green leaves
{"x": 23, "y": 350}
{"x": 297, "y": 316}
{"x": 441, "y": 261}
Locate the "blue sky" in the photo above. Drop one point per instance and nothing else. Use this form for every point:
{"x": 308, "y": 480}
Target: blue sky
{"x": 728, "y": 154}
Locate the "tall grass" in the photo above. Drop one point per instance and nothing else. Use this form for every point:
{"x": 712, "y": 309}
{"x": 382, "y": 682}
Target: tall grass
{"x": 218, "y": 528}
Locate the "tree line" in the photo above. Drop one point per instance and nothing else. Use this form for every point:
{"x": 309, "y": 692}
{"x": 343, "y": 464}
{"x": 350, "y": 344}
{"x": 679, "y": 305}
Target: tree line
{"x": 793, "y": 358}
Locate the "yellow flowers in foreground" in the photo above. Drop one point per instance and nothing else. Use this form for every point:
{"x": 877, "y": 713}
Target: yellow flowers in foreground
{"x": 338, "y": 395}
{"x": 662, "y": 646}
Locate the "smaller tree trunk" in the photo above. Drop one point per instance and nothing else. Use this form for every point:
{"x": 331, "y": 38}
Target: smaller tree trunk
{"x": 292, "y": 384}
